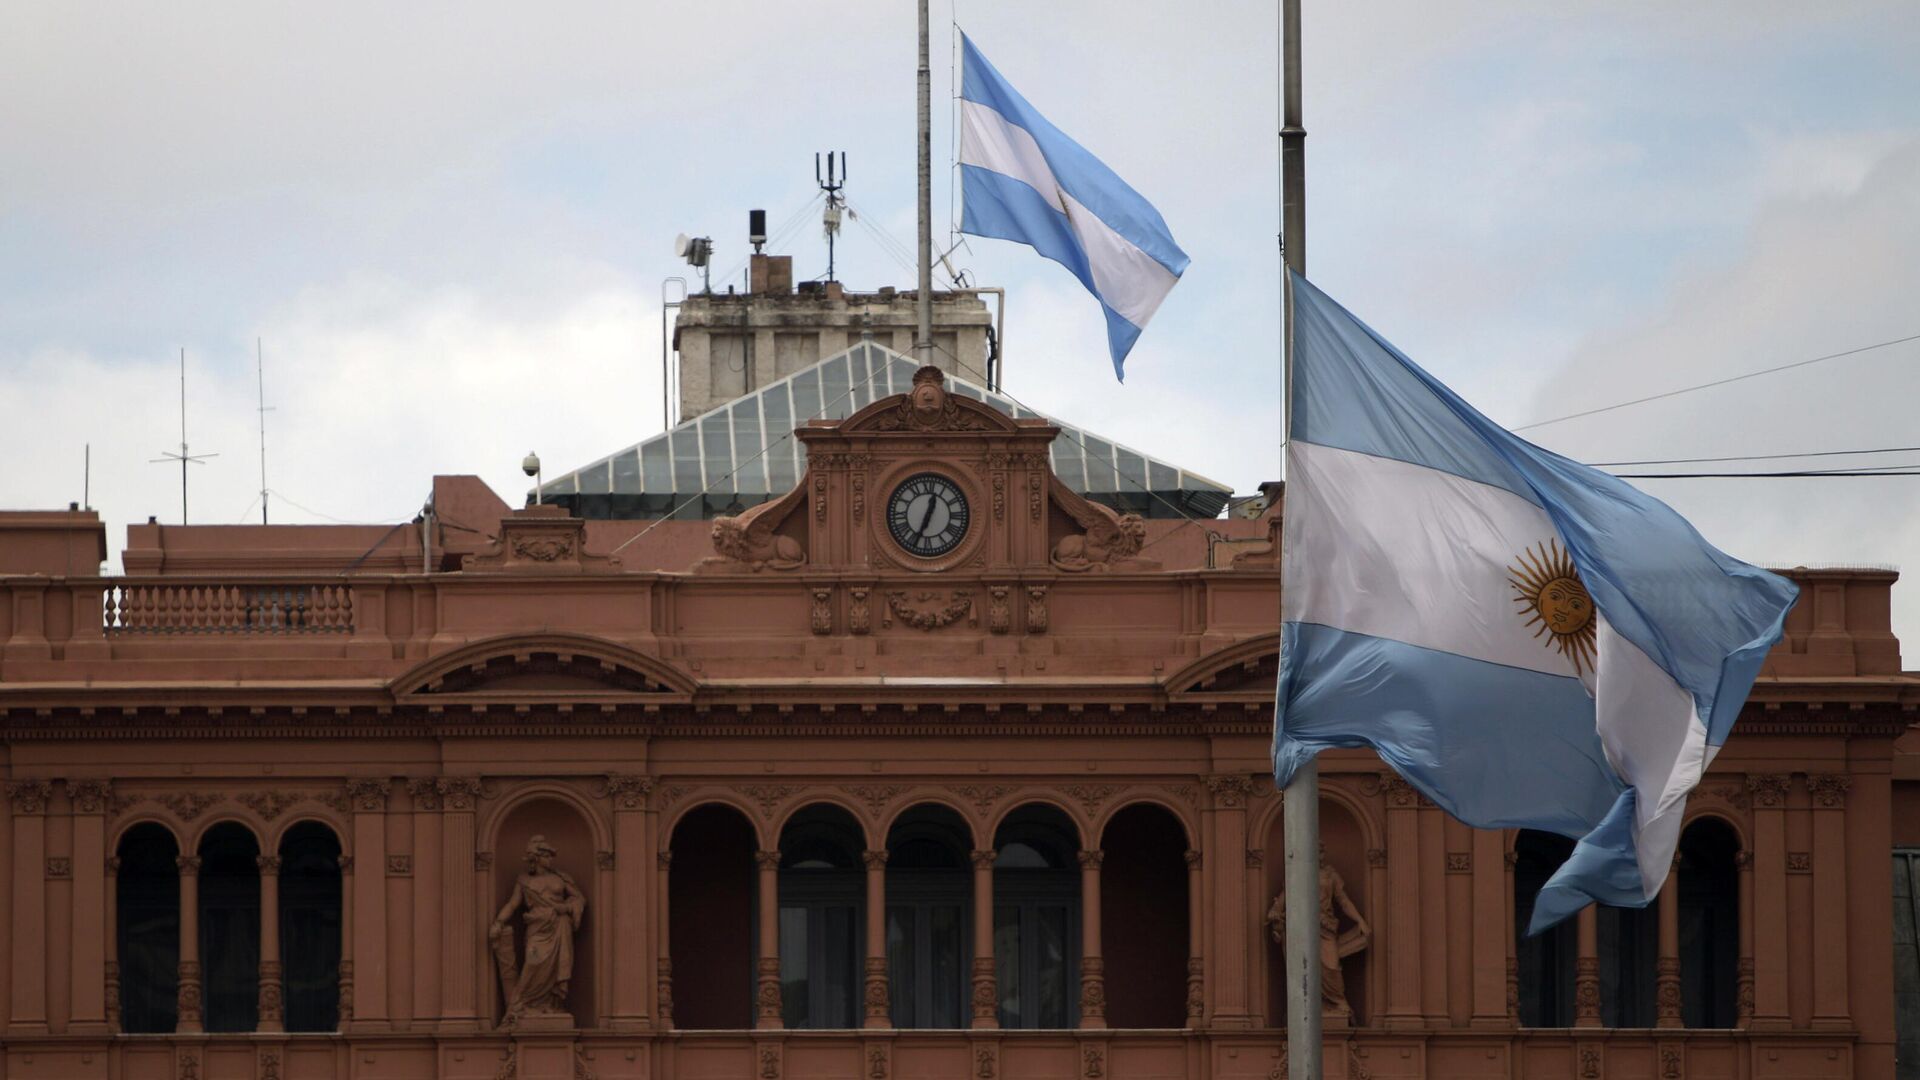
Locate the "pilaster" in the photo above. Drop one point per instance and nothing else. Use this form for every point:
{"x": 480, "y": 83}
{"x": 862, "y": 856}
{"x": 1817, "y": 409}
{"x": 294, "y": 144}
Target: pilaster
{"x": 432, "y": 895}
{"x": 766, "y": 994}
{"x": 1491, "y": 929}
{"x": 1769, "y": 877}
{"x": 1586, "y": 969}
{"x": 632, "y": 867}
{"x": 189, "y": 990}
{"x": 29, "y": 968}
{"x": 1093, "y": 979}
{"x": 1227, "y": 832}
{"x": 1402, "y": 901}
{"x": 272, "y": 1014}
{"x": 1196, "y": 959}
{"x": 1829, "y": 800}
{"x": 1666, "y": 986}
{"x": 87, "y": 958}
{"x": 369, "y": 901}
{"x": 986, "y": 994}
{"x": 459, "y": 940}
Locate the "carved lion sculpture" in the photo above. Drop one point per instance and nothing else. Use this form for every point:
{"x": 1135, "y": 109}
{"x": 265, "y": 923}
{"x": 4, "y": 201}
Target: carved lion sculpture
{"x": 1107, "y": 542}
{"x": 755, "y": 543}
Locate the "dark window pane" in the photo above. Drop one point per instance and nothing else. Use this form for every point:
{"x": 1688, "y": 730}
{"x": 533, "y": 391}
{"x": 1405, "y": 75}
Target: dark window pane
{"x": 1006, "y": 963}
{"x": 901, "y": 969}
{"x": 795, "y": 982}
{"x": 946, "y": 975}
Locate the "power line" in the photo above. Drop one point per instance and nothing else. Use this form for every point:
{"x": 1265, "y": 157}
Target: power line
{"x": 1718, "y": 382}
{"x": 1817, "y": 474}
{"x": 1750, "y": 457}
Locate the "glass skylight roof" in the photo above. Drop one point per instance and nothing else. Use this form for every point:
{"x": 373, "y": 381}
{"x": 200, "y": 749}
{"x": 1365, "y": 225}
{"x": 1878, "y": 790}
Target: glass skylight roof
{"x": 744, "y": 453}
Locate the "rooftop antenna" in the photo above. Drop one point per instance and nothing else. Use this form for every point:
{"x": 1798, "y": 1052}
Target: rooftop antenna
{"x": 183, "y": 457}
{"x": 831, "y": 185}
{"x": 698, "y": 251}
{"x": 260, "y": 373}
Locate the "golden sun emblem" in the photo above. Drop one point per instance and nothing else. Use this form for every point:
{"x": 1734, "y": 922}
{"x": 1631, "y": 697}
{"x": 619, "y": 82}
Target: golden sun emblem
{"x": 1548, "y": 586}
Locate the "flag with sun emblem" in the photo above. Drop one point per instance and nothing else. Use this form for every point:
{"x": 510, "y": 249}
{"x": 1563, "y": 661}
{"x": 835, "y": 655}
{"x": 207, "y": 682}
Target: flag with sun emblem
{"x": 1530, "y": 642}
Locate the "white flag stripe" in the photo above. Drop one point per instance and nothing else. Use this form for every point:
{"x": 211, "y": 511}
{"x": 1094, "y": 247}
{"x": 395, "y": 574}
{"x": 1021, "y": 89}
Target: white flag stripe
{"x": 1128, "y": 280}
{"x": 1635, "y": 703}
{"x": 1412, "y": 554}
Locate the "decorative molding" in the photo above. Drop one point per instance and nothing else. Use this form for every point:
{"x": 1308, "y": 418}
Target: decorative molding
{"x": 628, "y": 791}
{"x": 983, "y": 1062}
{"x": 1829, "y": 790}
{"x": 767, "y": 995}
{"x": 270, "y": 992}
{"x": 768, "y": 796}
{"x": 982, "y": 858}
{"x": 875, "y": 991}
{"x": 859, "y": 611}
{"x": 29, "y": 796}
{"x": 1400, "y": 794}
{"x": 1799, "y": 862}
{"x": 770, "y": 1052}
{"x": 59, "y": 867}
{"x": 1036, "y": 609}
{"x": 1092, "y": 1058}
{"x": 483, "y": 860}
{"x": 424, "y": 793}
{"x": 1376, "y": 857}
{"x": 1743, "y": 994}
{"x": 1192, "y": 857}
{"x": 1230, "y": 790}
{"x": 1091, "y": 796}
{"x": 187, "y": 864}
{"x": 368, "y": 794}
{"x": 90, "y": 796}
{"x": 346, "y": 863}
{"x": 876, "y": 1054}
{"x": 1459, "y": 862}
{"x": 986, "y": 997}
{"x": 874, "y": 859}
{"x": 1586, "y": 991}
{"x": 1090, "y": 858}
{"x": 1196, "y": 988}
{"x": 187, "y": 996}
{"x": 926, "y": 610}
{"x": 999, "y": 614}
{"x": 767, "y": 860}
{"x": 822, "y": 618}
{"x": 399, "y": 866}
{"x": 113, "y": 865}
{"x": 603, "y": 859}
{"x": 1671, "y": 1063}
{"x": 663, "y": 859}
{"x": 187, "y": 805}
{"x": 1256, "y": 858}
{"x": 1769, "y": 789}
{"x": 268, "y": 804}
{"x": 458, "y": 792}
{"x": 1666, "y": 991}
{"x": 983, "y": 796}
{"x": 876, "y": 796}
{"x": 663, "y": 988}
{"x": 267, "y": 864}
{"x": 1589, "y": 1063}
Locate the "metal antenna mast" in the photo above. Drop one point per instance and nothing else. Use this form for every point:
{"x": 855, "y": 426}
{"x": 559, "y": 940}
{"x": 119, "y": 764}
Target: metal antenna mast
{"x": 923, "y": 298}
{"x": 830, "y": 218}
{"x": 260, "y": 373}
{"x": 183, "y": 457}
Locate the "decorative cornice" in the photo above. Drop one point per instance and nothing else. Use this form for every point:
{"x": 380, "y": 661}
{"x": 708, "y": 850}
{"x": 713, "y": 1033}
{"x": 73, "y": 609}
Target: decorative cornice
{"x": 369, "y": 794}
{"x": 1230, "y": 789}
{"x": 1400, "y": 795}
{"x": 1769, "y": 789}
{"x": 90, "y": 796}
{"x": 424, "y": 793}
{"x": 29, "y": 796}
{"x": 458, "y": 792}
{"x": 1829, "y": 790}
{"x": 628, "y": 791}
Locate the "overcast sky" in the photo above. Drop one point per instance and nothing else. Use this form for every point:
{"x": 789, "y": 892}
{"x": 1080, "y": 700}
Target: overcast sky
{"x": 450, "y": 227}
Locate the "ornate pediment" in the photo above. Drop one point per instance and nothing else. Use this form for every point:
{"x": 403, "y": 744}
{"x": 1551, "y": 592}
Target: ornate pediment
{"x": 928, "y": 408}
{"x": 542, "y": 664}
{"x": 541, "y": 540}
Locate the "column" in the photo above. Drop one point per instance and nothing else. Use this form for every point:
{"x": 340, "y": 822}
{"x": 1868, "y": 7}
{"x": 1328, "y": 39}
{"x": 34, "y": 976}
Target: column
{"x": 628, "y": 903}
{"x": 1227, "y": 821}
{"x": 346, "y": 940}
{"x": 111, "y": 943}
{"x": 1196, "y": 961}
{"x": 1666, "y": 987}
{"x": 1402, "y": 901}
{"x": 459, "y": 941}
{"x": 87, "y": 987}
{"x": 1586, "y": 969}
{"x": 1093, "y": 979}
{"x": 663, "y": 978}
{"x": 1743, "y": 997}
{"x": 986, "y": 994}
{"x": 1492, "y": 928}
{"x": 1769, "y": 877}
{"x": 271, "y": 1008}
{"x": 189, "y": 993}
{"x": 433, "y": 894}
{"x": 875, "y": 991}
{"x": 1829, "y": 792}
{"x": 766, "y": 995}
{"x": 29, "y": 903}
{"x": 369, "y": 902}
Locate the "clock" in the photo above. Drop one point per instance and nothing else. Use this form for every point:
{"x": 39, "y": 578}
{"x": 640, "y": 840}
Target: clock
{"x": 927, "y": 515}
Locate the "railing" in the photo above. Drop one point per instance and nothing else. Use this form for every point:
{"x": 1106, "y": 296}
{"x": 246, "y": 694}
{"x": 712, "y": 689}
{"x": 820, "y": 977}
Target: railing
{"x": 293, "y": 608}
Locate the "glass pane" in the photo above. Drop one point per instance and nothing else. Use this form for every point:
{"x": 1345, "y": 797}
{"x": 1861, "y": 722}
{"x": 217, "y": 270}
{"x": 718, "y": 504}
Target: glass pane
{"x": 833, "y": 389}
{"x": 686, "y": 463}
{"x": 806, "y": 396}
{"x": 900, "y": 965}
{"x": 592, "y": 480}
{"x": 1100, "y": 474}
{"x": 1050, "y": 949}
{"x": 794, "y": 982}
{"x": 626, "y": 472}
{"x": 716, "y": 446}
{"x": 779, "y": 419}
{"x": 656, "y": 469}
{"x": 838, "y": 968}
{"x": 1069, "y": 463}
{"x": 752, "y": 477}
{"x": 1133, "y": 470}
{"x": 946, "y": 974}
{"x": 1006, "y": 963}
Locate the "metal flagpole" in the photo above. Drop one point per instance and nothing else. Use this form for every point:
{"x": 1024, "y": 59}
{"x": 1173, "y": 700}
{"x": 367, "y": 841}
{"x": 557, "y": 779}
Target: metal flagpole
{"x": 1301, "y": 800}
{"x": 923, "y": 303}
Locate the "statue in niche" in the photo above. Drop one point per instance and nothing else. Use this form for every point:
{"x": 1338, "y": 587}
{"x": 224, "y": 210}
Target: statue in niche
{"x": 553, "y": 906}
{"x": 1335, "y": 944}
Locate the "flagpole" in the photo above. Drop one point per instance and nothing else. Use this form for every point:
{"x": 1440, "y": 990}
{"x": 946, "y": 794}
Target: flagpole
{"x": 923, "y": 299}
{"x": 1300, "y": 803}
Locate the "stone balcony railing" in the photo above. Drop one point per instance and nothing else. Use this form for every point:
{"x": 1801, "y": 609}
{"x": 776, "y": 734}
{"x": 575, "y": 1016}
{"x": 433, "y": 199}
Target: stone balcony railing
{"x": 169, "y": 606}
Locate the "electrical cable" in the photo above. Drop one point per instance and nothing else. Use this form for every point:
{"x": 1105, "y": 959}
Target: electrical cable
{"x": 1750, "y": 457}
{"x": 1719, "y": 382}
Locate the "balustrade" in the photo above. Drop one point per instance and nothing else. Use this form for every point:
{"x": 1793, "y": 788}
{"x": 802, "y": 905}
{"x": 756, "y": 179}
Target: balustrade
{"x": 220, "y": 608}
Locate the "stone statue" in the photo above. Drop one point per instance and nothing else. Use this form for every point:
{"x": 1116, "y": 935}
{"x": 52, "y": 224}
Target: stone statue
{"x": 553, "y": 906}
{"x": 1335, "y": 944}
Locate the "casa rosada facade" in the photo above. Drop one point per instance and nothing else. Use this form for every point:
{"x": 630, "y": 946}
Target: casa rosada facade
{"x": 928, "y": 768}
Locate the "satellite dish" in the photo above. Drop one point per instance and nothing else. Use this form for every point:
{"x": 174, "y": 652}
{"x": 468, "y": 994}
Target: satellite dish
{"x": 680, "y": 243}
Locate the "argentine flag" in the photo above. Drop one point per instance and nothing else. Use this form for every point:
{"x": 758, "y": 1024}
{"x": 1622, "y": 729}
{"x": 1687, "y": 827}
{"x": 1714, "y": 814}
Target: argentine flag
{"x": 1025, "y": 181}
{"x": 1527, "y": 640}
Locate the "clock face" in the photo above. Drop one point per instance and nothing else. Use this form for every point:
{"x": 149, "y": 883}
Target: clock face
{"x": 927, "y": 515}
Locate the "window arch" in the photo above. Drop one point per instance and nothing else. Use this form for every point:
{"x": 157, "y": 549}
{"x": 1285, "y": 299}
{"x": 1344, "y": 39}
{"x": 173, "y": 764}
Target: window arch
{"x": 1546, "y": 962}
{"x": 710, "y": 918}
{"x": 821, "y": 922}
{"x": 310, "y": 903}
{"x": 1709, "y": 924}
{"x": 929, "y": 918}
{"x": 147, "y": 930}
{"x": 1143, "y": 917}
{"x": 230, "y": 926}
{"x": 1036, "y": 918}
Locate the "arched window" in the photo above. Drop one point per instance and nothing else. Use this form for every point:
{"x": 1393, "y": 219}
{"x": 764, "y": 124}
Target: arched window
{"x": 1709, "y": 924}
{"x": 230, "y": 927}
{"x": 1143, "y": 918}
{"x": 1629, "y": 942}
{"x": 710, "y": 923}
{"x": 147, "y": 937}
{"x": 1036, "y": 919}
{"x": 1546, "y": 962}
{"x": 929, "y": 918}
{"x": 822, "y": 897}
{"x": 310, "y": 926}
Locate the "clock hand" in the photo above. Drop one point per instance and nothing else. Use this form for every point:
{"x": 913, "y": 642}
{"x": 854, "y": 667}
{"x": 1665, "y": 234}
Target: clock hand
{"x": 921, "y": 532}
